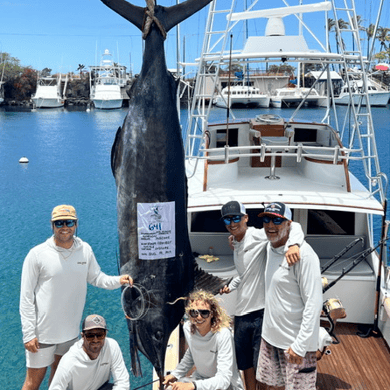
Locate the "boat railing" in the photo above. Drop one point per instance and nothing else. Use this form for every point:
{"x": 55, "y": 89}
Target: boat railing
{"x": 332, "y": 154}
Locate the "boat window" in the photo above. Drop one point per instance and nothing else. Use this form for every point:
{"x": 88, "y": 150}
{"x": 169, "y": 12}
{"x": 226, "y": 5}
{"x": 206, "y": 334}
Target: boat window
{"x": 221, "y": 138}
{"x": 330, "y": 222}
{"x": 210, "y": 221}
{"x": 305, "y": 135}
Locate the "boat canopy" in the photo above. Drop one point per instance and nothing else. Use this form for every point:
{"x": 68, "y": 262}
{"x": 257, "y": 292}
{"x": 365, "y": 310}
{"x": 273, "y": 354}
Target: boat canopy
{"x": 323, "y": 75}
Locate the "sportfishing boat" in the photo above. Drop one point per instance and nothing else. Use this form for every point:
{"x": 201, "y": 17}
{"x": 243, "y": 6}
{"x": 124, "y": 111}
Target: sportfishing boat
{"x": 241, "y": 96}
{"x": 378, "y": 94}
{"x": 49, "y": 92}
{"x": 326, "y": 171}
{"x": 106, "y": 83}
{"x": 292, "y": 97}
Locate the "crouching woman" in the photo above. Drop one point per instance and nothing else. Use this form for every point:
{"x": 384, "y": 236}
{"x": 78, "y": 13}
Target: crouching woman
{"x": 210, "y": 348}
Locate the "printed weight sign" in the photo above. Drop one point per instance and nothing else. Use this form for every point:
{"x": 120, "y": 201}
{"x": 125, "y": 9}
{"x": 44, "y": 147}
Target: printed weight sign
{"x": 156, "y": 230}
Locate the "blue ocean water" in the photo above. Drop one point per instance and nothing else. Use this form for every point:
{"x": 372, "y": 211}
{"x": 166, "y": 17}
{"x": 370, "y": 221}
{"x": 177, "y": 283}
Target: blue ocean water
{"x": 69, "y": 153}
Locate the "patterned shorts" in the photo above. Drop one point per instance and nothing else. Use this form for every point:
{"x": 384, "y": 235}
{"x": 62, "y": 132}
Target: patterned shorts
{"x": 275, "y": 370}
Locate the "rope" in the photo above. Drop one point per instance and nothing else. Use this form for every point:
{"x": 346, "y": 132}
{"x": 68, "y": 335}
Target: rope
{"x": 150, "y": 18}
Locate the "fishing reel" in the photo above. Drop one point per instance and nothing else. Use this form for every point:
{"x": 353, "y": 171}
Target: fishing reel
{"x": 135, "y": 302}
{"x": 333, "y": 309}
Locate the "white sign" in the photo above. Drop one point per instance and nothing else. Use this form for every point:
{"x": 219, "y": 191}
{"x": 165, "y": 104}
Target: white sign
{"x": 156, "y": 230}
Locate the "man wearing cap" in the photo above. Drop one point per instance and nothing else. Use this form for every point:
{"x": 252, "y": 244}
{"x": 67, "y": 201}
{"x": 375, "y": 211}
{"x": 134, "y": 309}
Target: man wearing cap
{"x": 53, "y": 291}
{"x": 249, "y": 245}
{"x": 292, "y": 308}
{"x": 91, "y": 361}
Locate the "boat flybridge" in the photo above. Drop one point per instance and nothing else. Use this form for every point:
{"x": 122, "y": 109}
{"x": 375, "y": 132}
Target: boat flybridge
{"x": 328, "y": 176}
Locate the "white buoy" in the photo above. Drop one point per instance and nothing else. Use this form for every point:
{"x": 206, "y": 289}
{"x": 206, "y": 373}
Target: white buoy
{"x": 24, "y": 160}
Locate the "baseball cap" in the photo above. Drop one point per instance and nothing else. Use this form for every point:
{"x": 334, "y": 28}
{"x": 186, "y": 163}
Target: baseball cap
{"x": 94, "y": 321}
{"x": 63, "y": 211}
{"x": 233, "y": 208}
{"x": 277, "y": 209}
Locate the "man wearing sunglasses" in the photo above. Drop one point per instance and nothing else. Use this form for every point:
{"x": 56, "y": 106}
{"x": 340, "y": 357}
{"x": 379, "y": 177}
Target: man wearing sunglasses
{"x": 249, "y": 245}
{"x": 292, "y": 308}
{"x": 91, "y": 361}
{"x": 53, "y": 291}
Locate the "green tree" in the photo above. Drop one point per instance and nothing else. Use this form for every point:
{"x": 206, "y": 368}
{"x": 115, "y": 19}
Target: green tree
{"x": 383, "y": 37}
{"x": 370, "y": 34}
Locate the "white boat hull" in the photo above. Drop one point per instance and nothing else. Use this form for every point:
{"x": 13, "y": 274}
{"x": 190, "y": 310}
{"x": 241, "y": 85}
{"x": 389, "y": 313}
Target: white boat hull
{"x": 253, "y": 102}
{"x": 379, "y": 99}
{"x": 107, "y": 104}
{"x": 40, "y": 102}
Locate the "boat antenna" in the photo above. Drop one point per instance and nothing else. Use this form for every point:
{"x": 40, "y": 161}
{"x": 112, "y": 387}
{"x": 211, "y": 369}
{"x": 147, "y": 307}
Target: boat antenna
{"x": 228, "y": 98}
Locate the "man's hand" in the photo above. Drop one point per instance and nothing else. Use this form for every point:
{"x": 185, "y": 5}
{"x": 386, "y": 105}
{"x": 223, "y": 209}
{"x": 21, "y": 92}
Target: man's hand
{"x": 224, "y": 290}
{"x": 32, "y": 345}
{"x": 126, "y": 279}
{"x": 183, "y": 386}
{"x": 293, "y": 357}
{"x": 230, "y": 240}
{"x": 169, "y": 379}
{"x": 293, "y": 255}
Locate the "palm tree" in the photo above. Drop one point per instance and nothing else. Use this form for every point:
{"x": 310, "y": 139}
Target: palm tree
{"x": 80, "y": 69}
{"x": 336, "y": 26}
{"x": 383, "y": 36}
{"x": 370, "y": 33}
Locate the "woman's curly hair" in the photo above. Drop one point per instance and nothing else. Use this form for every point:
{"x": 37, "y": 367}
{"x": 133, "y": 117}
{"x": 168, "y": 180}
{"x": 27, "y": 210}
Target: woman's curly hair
{"x": 220, "y": 318}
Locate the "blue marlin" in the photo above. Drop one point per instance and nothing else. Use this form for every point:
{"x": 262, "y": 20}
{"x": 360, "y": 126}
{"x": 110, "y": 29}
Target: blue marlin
{"x": 148, "y": 164}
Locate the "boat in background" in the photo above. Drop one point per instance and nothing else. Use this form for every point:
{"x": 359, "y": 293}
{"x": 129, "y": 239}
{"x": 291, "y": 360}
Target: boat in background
{"x": 106, "y": 83}
{"x": 328, "y": 174}
{"x": 49, "y": 92}
{"x": 378, "y": 94}
{"x": 292, "y": 97}
{"x": 242, "y": 96}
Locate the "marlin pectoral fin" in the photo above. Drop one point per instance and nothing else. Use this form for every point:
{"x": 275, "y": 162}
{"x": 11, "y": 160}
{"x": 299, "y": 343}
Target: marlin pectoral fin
{"x": 208, "y": 282}
{"x": 115, "y": 151}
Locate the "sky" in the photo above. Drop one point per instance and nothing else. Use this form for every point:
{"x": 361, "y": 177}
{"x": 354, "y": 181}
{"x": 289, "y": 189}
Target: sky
{"x": 60, "y": 35}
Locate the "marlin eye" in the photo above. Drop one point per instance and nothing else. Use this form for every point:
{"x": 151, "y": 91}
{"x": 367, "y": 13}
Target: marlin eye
{"x": 158, "y": 335}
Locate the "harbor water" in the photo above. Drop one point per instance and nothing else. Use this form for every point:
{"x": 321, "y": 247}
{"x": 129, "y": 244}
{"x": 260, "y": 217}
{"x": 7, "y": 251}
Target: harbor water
{"x": 69, "y": 154}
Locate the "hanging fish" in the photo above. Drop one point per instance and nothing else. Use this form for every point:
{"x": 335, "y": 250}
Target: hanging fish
{"x": 148, "y": 164}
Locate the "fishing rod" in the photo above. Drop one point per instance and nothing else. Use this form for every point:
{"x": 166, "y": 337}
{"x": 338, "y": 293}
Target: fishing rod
{"x": 357, "y": 261}
{"x": 341, "y": 253}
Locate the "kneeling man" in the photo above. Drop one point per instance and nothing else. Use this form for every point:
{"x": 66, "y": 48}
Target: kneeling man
{"x": 91, "y": 361}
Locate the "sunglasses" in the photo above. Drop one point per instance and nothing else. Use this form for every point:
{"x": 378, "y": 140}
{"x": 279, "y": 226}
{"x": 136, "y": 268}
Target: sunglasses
{"x": 91, "y": 336}
{"x": 275, "y": 220}
{"x": 67, "y": 222}
{"x": 229, "y": 220}
{"x": 203, "y": 313}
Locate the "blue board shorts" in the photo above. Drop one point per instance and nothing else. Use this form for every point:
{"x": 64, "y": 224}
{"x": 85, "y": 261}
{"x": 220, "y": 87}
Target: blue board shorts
{"x": 247, "y": 338}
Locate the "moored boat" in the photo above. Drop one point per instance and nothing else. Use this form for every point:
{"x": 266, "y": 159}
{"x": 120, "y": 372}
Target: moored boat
{"x": 378, "y": 95}
{"x": 328, "y": 176}
{"x": 49, "y": 93}
{"x": 292, "y": 97}
{"x": 242, "y": 96}
{"x": 108, "y": 79}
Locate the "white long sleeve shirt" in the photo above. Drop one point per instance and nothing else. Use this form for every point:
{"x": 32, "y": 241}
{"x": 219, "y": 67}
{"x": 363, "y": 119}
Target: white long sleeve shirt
{"x": 294, "y": 301}
{"x": 214, "y": 358}
{"x": 77, "y": 371}
{"x": 250, "y": 262}
{"x": 53, "y": 290}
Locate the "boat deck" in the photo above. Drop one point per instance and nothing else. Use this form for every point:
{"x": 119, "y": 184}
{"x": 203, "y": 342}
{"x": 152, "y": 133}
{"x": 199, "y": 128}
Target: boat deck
{"x": 356, "y": 363}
